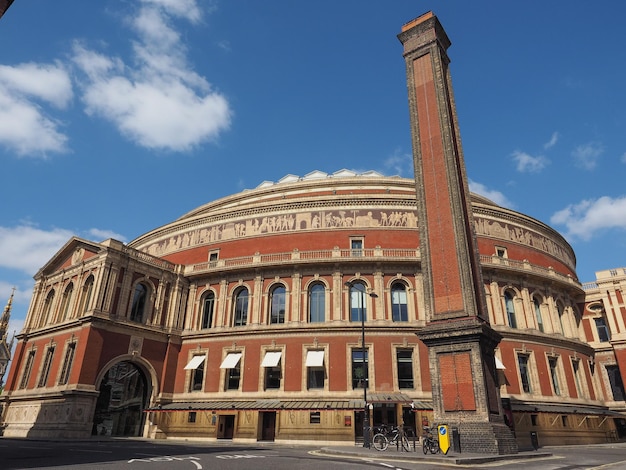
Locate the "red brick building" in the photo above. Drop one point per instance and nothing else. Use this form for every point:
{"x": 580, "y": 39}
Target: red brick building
{"x": 245, "y": 318}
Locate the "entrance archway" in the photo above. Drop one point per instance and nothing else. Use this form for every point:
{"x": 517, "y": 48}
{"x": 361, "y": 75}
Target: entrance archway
{"x": 123, "y": 395}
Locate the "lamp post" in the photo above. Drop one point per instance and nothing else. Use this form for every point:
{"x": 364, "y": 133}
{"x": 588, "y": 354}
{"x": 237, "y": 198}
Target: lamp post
{"x": 366, "y": 413}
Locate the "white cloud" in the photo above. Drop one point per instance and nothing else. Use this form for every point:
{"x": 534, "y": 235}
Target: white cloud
{"x": 526, "y": 163}
{"x": 623, "y": 158}
{"x": 101, "y": 235}
{"x": 492, "y": 195}
{"x": 552, "y": 142}
{"x": 28, "y": 248}
{"x": 159, "y": 102}
{"x": 586, "y": 156}
{"x": 400, "y": 163}
{"x": 24, "y": 126}
{"x": 585, "y": 219}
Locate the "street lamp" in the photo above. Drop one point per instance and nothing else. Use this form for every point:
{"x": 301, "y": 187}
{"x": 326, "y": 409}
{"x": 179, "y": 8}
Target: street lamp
{"x": 366, "y": 414}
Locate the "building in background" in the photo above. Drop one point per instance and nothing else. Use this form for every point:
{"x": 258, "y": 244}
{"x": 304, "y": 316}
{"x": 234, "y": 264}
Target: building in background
{"x": 5, "y": 344}
{"x": 4, "y": 6}
{"x": 264, "y": 314}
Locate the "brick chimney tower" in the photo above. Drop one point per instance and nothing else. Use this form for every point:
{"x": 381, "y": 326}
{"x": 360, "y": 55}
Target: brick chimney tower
{"x": 460, "y": 340}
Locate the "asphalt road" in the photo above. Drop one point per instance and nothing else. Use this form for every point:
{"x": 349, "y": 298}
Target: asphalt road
{"x": 131, "y": 454}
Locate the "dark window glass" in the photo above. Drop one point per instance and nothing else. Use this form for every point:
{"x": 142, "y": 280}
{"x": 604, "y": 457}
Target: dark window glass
{"x": 603, "y": 330}
{"x": 317, "y": 303}
{"x": 139, "y": 303}
{"x": 399, "y": 310}
{"x": 617, "y": 385}
{"x": 554, "y": 374}
{"x": 241, "y": 308}
{"x": 524, "y": 373}
{"x": 272, "y": 377}
{"x": 315, "y": 417}
{"x": 538, "y": 314}
{"x": 404, "y": 358}
{"x": 45, "y": 370}
{"x": 207, "y": 310}
{"x": 315, "y": 377}
{"x": 510, "y": 309}
{"x": 27, "y": 369}
{"x": 277, "y": 305}
{"x": 191, "y": 417}
{"x": 66, "y": 302}
{"x": 360, "y": 367}
{"x": 357, "y": 247}
{"x": 233, "y": 378}
{"x": 357, "y": 302}
{"x": 86, "y": 296}
{"x": 67, "y": 364}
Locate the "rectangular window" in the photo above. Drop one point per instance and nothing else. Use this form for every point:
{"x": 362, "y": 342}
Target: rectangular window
{"x": 233, "y": 370}
{"x": 316, "y": 374}
{"x": 45, "y": 370}
{"x": 554, "y": 374}
{"x": 576, "y": 369}
{"x": 603, "y": 330}
{"x": 27, "y": 369}
{"x": 564, "y": 420}
{"x": 617, "y": 385}
{"x": 533, "y": 420}
{"x": 404, "y": 358}
{"x": 501, "y": 252}
{"x": 315, "y": 417}
{"x": 191, "y": 417}
{"x": 522, "y": 361}
{"x": 196, "y": 366}
{"x": 360, "y": 366}
{"x": 356, "y": 246}
{"x": 233, "y": 378}
{"x": 67, "y": 364}
{"x": 213, "y": 256}
{"x": 271, "y": 363}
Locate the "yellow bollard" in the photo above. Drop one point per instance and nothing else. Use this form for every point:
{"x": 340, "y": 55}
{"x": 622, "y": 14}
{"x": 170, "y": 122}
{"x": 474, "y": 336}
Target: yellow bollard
{"x": 444, "y": 438}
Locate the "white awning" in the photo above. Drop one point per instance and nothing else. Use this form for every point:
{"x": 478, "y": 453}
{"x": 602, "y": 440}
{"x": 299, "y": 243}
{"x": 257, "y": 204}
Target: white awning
{"x": 499, "y": 364}
{"x": 271, "y": 359}
{"x": 315, "y": 358}
{"x": 195, "y": 362}
{"x": 230, "y": 361}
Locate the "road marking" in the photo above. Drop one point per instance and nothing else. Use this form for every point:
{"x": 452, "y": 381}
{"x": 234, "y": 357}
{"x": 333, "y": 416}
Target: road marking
{"x": 239, "y": 456}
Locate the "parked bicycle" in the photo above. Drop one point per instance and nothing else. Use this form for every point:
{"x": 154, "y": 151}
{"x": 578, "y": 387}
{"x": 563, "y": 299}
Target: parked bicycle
{"x": 385, "y": 435}
{"x": 429, "y": 442}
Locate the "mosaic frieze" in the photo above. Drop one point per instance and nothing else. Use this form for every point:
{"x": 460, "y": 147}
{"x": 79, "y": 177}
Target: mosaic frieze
{"x": 323, "y": 220}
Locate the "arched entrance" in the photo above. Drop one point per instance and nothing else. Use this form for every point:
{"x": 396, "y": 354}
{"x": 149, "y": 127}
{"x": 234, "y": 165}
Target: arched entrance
{"x": 123, "y": 395}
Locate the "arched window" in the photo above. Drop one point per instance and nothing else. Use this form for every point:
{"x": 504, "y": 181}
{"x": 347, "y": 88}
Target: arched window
{"x": 208, "y": 306}
{"x": 240, "y": 307}
{"x": 277, "y": 305}
{"x": 358, "y": 308}
{"x": 317, "y": 303}
{"x": 86, "y": 295}
{"x": 47, "y": 308}
{"x": 66, "y": 301}
{"x": 399, "y": 310}
{"x": 538, "y": 316}
{"x": 139, "y": 303}
{"x": 510, "y": 309}
{"x": 561, "y": 311}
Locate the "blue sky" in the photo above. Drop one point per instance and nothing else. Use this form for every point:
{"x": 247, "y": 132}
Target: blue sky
{"x": 118, "y": 116}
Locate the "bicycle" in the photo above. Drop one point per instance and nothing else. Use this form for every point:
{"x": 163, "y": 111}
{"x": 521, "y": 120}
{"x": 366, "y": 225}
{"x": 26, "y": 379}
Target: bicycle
{"x": 384, "y": 436}
{"x": 429, "y": 443}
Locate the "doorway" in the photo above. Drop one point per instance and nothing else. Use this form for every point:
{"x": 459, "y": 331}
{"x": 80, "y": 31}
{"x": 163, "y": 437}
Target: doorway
{"x": 268, "y": 426}
{"x": 120, "y": 405}
{"x": 226, "y": 427}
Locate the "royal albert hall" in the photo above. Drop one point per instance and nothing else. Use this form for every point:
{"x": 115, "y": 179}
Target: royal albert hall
{"x": 262, "y": 316}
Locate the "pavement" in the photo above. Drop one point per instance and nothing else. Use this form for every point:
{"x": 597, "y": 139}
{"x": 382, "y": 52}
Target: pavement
{"x": 416, "y": 455}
